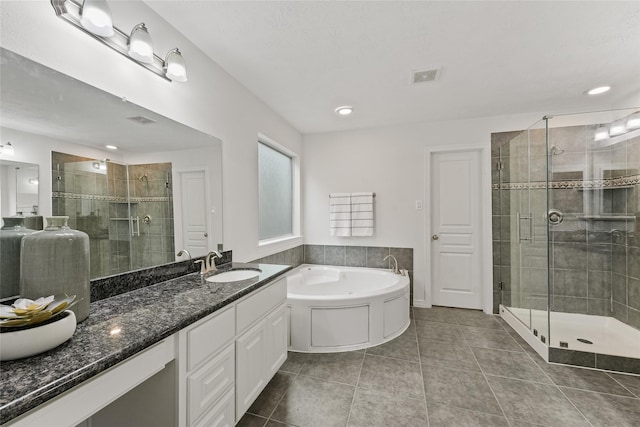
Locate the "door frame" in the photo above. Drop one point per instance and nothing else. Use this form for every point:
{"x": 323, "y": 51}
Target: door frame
{"x": 178, "y": 236}
{"x": 486, "y": 244}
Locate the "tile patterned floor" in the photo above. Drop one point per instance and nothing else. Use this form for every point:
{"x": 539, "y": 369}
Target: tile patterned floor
{"x": 452, "y": 367}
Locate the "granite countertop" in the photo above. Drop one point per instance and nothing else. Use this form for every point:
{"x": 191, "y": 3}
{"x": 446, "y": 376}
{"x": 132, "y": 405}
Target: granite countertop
{"x": 144, "y": 316}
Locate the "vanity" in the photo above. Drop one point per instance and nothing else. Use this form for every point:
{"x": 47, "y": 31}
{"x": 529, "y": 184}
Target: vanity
{"x": 184, "y": 352}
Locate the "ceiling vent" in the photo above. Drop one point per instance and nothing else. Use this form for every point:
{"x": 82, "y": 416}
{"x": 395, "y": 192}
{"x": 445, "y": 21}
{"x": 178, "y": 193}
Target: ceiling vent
{"x": 141, "y": 120}
{"x": 423, "y": 76}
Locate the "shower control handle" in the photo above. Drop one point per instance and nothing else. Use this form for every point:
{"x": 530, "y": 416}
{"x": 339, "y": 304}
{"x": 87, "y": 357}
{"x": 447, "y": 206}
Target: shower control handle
{"x": 435, "y": 237}
{"x": 555, "y": 217}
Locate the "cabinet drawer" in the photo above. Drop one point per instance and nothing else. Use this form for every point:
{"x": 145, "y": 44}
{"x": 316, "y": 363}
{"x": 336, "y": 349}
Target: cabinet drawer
{"x": 210, "y": 382}
{"x": 221, "y": 415}
{"x": 209, "y": 336}
{"x": 258, "y": 305}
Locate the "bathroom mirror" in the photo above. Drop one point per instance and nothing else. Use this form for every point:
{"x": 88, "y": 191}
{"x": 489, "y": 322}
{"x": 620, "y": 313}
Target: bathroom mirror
{"x": 18, "y": 188}
{"x": 44, "y": 111}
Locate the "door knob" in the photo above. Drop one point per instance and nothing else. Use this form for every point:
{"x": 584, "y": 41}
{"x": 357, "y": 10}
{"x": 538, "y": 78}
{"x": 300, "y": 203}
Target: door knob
{"x": 206, "y": 234}
{"x": 435, "y": 237}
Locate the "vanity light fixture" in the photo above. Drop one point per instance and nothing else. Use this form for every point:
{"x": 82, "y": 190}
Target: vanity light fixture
{"x": 174, "y": 66}
{"x": 617, "y": 128}
{"x": 140, "y": 44}
{"x": 633, "y": 121}
{"x": 598, "y": 90}
{"x": 111, "y": 147}
{"x": 7, "y": 149}
{"x": 93, "y": 17}
{"x": 345, "y": 110}
{"x": 602, "y": 133}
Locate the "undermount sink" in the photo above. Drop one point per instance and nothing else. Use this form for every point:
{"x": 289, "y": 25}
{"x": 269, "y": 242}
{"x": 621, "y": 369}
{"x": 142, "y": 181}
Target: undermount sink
{"x": 233, "y": 276}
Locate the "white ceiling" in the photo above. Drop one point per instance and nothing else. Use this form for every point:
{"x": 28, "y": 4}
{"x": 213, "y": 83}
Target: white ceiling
{"x": 305, "y": 58}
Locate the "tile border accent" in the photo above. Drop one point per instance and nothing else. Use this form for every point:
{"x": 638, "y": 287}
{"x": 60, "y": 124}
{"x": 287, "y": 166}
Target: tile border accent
{"x": 621, "y": 182}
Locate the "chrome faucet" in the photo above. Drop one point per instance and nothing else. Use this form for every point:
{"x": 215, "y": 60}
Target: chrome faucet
{"x": 210, "y": 260}
{"x": 208, "y": 264}
{"x": 184, "y": 252}
{"x": 395, "y": 268}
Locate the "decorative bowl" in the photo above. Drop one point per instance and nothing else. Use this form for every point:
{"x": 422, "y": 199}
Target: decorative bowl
{"x": 17, "y": 343}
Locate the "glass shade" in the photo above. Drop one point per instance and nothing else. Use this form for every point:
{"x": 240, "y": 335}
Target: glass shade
{"x": 140, "y": 44}
{"x": 95, "y": 16}
{"x": 175, "y": 68}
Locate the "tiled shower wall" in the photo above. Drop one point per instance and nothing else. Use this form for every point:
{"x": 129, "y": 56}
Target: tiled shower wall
{"x": 348, "y": 256}
{"x": 595, "y": 260}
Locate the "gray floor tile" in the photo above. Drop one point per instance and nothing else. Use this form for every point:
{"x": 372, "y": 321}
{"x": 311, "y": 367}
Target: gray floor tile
{"x": 605, "y": 409}
{"x": 435, "y": 314}
{"x": 272, "y": 393}
{"x": 403, "y": 347}
{"x": 438, "y": 331}
{"x": 339, "y": 367}
{"x": 464, "y": 389}
{"x": 510, "y": 364}
{"x": 447, "y": 355}
{"x": 477, "y": 318}
{"x": 272, "y": 423}
{"x": 584, "y": 379}
{"x": 250, "y": 420}
{"x": 375, "y": 408}
{"x": 630, "y": 382}
{"x": 498, "y": 339}
{"x": 448, "y": 416}
{"x": 314, "y": 402}
{"x": 392, "y": 376}
{"x": 536, "y": 403}
{"x": 294, "y": 362}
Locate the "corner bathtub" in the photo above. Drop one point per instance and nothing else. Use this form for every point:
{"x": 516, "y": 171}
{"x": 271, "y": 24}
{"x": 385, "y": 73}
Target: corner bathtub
{"x": 335, "y": 309}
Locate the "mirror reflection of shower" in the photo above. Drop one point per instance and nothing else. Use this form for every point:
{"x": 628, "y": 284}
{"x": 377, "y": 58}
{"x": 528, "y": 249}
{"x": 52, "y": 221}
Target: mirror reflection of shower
{"x": 108, "y": 200}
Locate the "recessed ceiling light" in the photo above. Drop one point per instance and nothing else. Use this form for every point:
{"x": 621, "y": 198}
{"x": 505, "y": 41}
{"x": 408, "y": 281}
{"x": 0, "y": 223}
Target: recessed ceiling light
{"x": 598, "y": 90}
{"x": 111, "y": 147}
{"x": 345, "y": 110}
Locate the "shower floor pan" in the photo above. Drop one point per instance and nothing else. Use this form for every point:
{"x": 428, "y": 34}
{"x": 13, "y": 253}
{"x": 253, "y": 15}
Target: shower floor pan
{"x": 615, "y": 346}
{"x": 608, "y": 335}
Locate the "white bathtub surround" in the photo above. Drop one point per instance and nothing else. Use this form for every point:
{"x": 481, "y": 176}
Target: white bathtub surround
{"x": 362, "y": 223}
{"x": 340, "y": 214}
{"x": 334, "y": 309}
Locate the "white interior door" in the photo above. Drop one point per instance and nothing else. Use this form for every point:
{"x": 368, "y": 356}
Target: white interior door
{"x": 194, "y": 210}
{"x": 456, "y": 271}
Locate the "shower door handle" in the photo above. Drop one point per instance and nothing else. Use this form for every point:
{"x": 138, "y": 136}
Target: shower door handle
{"x": 555, "y": 217}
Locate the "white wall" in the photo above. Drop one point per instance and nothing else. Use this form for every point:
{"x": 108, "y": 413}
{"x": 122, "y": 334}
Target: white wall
{"x": 36, "y": 149}
{"x": 391, "y": 162}
{"x": 211, "y": 101}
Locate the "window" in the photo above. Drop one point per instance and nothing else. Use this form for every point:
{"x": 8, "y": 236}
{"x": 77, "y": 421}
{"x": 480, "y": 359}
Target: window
{"x": 276, "y": 192}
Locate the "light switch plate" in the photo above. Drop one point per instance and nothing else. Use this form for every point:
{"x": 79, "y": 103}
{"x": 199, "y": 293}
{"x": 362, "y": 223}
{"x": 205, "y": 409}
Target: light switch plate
{"x": 418, "y": 205}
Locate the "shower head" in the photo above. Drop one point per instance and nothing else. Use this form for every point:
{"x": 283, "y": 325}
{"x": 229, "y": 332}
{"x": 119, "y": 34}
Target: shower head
{"x": 555, "y": 150}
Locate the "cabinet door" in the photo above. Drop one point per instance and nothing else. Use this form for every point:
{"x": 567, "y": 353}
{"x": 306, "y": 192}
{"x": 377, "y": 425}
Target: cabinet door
{"x": 277, "y": 339}
{"x": 251, "y": 366}
{"x": 221, "y": 415}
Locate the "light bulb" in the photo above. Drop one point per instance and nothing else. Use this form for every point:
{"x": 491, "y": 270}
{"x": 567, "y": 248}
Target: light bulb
{"x": 601, "y": 134}
{"x": 633, "y": 121}
{"x": 617, "y": 128}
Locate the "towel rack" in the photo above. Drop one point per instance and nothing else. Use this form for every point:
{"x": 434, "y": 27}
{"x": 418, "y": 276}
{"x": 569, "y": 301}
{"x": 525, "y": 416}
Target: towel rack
{"x": 374, "y": 195}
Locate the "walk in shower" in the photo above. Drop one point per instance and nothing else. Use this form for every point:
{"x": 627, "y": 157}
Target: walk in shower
{"x": 566, "y": 218}
{"x": 126, "y": 209}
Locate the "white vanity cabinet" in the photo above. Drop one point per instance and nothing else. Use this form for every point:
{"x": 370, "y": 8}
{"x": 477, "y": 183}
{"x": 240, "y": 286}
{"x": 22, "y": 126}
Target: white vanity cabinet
{"x": 206, "y": 355}
{"x": 261, "y": 346}
{"x": 207, "y": 374}
{"x": 227, "y": 358}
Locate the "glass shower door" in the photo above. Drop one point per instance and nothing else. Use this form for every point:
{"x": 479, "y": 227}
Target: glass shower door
{"x": 523, "y": 204}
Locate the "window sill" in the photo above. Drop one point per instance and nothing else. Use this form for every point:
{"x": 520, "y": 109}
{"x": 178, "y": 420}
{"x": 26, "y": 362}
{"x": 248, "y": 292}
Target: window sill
{"x": 271, "y": 246}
